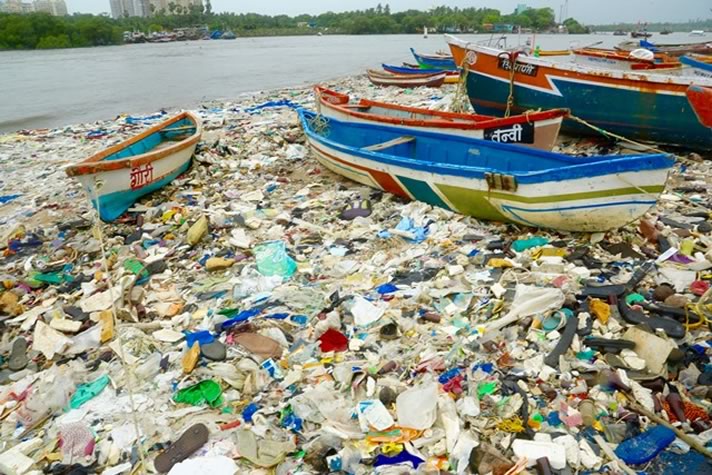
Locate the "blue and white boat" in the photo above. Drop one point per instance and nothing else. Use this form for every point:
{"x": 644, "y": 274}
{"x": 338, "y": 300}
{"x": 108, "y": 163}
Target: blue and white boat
{"x": 490, "y": 180}
{"x": 441, "y": 62}
{"x": 115, "y": 178}
{"x": 697, "y": 67}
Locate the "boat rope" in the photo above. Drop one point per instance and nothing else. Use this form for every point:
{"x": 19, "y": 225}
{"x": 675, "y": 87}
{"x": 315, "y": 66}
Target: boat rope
{"x": 461, "y": 100}
{"x": 608, "y": 134}
{"x": 128, "y": 371}
{"x": 512, "y": 57}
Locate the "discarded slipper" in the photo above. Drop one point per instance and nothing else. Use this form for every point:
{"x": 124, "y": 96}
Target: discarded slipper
{"x": 214, "y": 351}
{"x": 262, "y": 346}
{"x": 672, "y": 328}
{"x": 358, "y": 209}
{"x": 18, "y": 356}
{"x": 186, "y": 445}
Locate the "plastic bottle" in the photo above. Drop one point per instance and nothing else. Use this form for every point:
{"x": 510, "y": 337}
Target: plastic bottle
{"x": 524, "y": 244}
{"x": 588, "y": 412}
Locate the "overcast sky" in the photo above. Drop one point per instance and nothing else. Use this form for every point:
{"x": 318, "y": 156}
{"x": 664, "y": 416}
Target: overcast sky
{"x": 587, "y": 11}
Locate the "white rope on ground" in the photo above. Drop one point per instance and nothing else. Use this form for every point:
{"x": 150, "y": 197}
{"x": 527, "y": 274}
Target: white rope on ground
{"x": 128, "y": 373}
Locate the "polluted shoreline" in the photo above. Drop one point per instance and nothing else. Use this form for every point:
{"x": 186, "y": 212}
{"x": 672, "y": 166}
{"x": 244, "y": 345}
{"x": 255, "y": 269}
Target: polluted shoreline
{"x": 261, "y": 314}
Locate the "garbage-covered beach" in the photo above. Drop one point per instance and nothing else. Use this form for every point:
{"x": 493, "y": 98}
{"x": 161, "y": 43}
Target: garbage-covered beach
{"x": 261, "y": 314}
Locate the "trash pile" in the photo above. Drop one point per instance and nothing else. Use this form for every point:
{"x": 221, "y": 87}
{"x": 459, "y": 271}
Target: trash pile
{"x": 263, "y": 315}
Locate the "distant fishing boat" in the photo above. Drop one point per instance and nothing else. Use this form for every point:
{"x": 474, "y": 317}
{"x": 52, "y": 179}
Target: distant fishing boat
{"x": 666, "y": 32}
{"x": 640, "y": 34}
{"x": 535, "y": 129}
{"x": 701, "y": 100}
{"x": 698, "y": 66}
{"x": 490, "y": 180}
{"x": 117, "y": 177}
{"x": 434, "y": 61}
{"x": 669, "y": 49}
{"x": 384, "y": 78}
{"x": 697, "y": 33}
{"x": 451, "y": 76}
{"x": 641, "y": 106}
{"x": 620, "y": 33}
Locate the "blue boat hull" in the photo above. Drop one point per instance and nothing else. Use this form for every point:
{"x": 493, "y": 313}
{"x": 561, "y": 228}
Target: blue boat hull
{"x": 660, "y": 118}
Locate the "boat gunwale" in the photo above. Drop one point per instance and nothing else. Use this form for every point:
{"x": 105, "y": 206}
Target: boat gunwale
{"x": 97, "y": 163}
{"x": 471, "y": 124}
{"x": 632, "y": 76}
{"x": 576, "y": 169}
{"x": 390, "y": 68}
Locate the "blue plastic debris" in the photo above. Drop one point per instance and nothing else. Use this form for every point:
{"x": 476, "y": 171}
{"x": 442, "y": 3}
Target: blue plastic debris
{"x": 403, "y": 457}
{"x": 250, "y": 411}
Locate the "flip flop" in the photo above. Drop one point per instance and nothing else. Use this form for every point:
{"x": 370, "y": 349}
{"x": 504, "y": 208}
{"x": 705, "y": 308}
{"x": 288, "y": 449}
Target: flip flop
{"x": 261, "y": 346}
{"x": 186, "y": 445}
{"x": 18, "y": 356}
{"x": 361, "y": 208}
{"x": 672, "y": 328}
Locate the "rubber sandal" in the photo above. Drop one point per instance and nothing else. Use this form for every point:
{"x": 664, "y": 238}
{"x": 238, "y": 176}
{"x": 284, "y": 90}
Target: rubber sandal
{"x": 215, "y": 351}
{"x": 186, "y": 445}
{"x": 261, "y": 346}
{"x": 605, "y": 345}
{"x": 358, "y": 209}
{"x": 567, "y": 337}
{"x": 18, "y": 356}
{"x": 672, "y": 328}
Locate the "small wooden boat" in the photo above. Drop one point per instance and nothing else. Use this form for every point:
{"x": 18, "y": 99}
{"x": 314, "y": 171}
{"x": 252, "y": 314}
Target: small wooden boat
{"x": 117, "y": 177}
{"x": 623, "y": 61}
{"x": 669, "y": 49}
{"x": 490, "y": 180}
{"x": 535, "y": 129}
{"x": 434, "y": 61}
{"x": 701, "y": 100}
{"x": 452, "y": 77}
{"x": 649, "y": 106}
{"x": 700, "y": 67}
{"x": 427, "y": 79}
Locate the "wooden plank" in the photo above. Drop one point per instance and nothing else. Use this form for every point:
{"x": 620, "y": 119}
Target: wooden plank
{"x": 390, "y": 143}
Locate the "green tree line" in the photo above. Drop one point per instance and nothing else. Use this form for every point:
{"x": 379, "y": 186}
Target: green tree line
{"x": 40, "y": 30}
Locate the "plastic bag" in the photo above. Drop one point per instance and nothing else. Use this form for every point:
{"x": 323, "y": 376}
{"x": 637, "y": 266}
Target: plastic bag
{"x": 205, "y": 392}
{"x": 272, "y": 260}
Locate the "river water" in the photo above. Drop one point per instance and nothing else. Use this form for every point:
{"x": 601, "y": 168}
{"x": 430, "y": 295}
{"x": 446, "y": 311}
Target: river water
{"x": 60, "y": 87}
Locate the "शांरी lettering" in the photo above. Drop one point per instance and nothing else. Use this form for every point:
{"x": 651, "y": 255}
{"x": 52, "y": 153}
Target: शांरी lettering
{"x": 522, "y": 68}
{"x": 141, "y": 176}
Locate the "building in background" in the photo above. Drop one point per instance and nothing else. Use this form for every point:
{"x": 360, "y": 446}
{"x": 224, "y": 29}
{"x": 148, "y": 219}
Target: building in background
{"x": 145, "y": 8}
{"x": 53, "y": 7}
{"x": 122, "y": 8}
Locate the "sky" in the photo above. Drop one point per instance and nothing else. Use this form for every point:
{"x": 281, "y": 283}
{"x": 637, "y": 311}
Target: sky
{"x": 586, "y": 11}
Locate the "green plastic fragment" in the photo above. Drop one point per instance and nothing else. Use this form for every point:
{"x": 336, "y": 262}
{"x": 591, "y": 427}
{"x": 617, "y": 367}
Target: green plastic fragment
{"x": 585, "y": 355}
{"x": 485, "y": 389}
{"x": 524, "y": 244}
{"x": 537, "y": 417}
{"x": 88, "y": 391}
{"x": 632, "y": 299}
{"x": 205, "y": 392}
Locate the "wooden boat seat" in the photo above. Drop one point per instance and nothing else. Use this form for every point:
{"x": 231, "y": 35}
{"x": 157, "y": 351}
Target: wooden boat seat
{"x": 390, "y": 143}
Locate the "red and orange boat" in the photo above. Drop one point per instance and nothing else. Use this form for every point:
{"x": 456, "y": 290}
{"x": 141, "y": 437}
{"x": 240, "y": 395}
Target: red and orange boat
{"x": 701, "y": 100}
{"x": 638, "y": 105}
{"x": 535, "y": 129}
